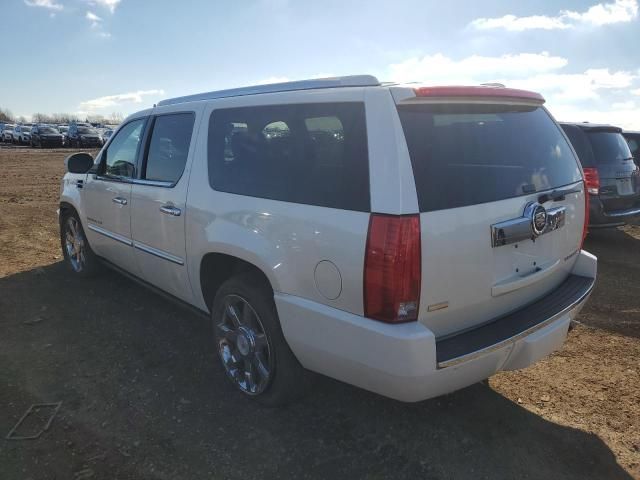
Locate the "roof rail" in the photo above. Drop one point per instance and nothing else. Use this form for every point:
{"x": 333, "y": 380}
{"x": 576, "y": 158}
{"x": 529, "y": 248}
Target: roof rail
{"x": 332, "y": 82}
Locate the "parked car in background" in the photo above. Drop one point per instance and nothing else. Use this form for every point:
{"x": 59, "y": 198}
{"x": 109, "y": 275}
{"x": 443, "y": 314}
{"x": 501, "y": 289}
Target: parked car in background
{"x": 63, "y": 129}
{"x": 45, "y": 136}
{"x": 633, "y": 140}
{"x": 408, "y": 240}
{"x": 82, "y": 135}
{"x": 610, "y": 173}
{"x": 6, "y": 132}
{"x": 22, "y": 134}
{"x": 106, "y": 135}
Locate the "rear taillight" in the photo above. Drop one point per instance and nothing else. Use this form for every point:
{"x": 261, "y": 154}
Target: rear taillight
{"x": 592, "y": 180}
{"x": 585, "y": 227}
{"x": 392, "y": 268}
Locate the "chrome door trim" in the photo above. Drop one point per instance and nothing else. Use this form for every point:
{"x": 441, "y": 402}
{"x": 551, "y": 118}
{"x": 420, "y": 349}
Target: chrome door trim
{"x": 111, "y": 235}
{"x": 152, "y": 183}
{"x": 158, "y": 253}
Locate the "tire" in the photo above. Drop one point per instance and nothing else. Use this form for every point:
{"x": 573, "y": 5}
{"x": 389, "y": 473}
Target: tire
{"x": 86, "y": 264}
{"x": 263, "y": 344}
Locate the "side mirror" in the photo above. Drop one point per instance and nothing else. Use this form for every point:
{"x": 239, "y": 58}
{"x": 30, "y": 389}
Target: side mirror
{"x": 78, "y": 163}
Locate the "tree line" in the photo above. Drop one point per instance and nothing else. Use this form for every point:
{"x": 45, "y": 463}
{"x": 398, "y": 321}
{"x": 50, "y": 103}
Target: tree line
{"x": 59, "y": 118}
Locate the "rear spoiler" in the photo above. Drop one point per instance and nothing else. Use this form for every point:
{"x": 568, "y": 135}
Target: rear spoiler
{"x": 473, "y": 93}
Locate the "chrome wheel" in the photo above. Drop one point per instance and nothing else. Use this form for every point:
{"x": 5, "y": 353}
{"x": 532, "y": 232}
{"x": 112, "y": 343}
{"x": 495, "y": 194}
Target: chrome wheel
{"x": 243, "y": 346}
{"x": 74, "y": 244}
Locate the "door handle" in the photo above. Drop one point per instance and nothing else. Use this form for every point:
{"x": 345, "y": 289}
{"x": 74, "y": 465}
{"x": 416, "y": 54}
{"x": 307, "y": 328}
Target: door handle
{"x": 119, "y": 200}
{"x": 170, "y": 210}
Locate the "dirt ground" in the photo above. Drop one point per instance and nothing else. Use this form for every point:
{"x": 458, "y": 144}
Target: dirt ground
{"x": 144, "y": 398}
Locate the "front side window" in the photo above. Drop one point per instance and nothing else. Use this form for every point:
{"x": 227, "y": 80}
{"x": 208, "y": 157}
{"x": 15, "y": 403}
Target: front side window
{"x": 313, "y": 154}
{"x": 120, "y": 157}
{"x": 169, "y": 147}
{"x": 466, "y": 154}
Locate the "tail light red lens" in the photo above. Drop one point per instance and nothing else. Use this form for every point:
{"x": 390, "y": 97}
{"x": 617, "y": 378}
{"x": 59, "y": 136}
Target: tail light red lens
{"x": 585, "y": 228}
{"x": 392, "y": 270}
{"x": 592, "y": 180}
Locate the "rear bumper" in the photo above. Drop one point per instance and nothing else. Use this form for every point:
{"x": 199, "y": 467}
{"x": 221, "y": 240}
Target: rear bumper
{"x": 408, "y": 363}
{"x": 599, "y": 218}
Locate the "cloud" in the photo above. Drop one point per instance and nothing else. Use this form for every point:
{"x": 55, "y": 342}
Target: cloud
{"x": 620, "y": 11}
{"x": 628, "y": 105}
{"x": 117, "y": 100}
{"x": 572, "y": 87}
{"x": 533, "y": 71}
{"x": 620, "y": 115}
{"x": 282, "y": 79}
{"x": 268, "y": 80}
{"x": 94, "y": 19}
{"x": 48, "y": 4}
{"x": 108, "y": 4}
{"x": 519, "y": 24}
{"x": 473, "y": 69}
{"x": 595, "y": 94}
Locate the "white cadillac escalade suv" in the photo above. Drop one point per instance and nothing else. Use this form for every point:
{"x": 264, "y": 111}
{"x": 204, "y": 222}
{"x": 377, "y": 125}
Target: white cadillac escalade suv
{"x": 407, "y": 240}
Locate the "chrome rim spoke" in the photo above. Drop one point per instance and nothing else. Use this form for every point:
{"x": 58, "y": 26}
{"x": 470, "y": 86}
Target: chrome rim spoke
{"x": 261, "y": 341}
{"x": 227, "y": 333}
{"x": 74, "y": 244}
{"x": 260, "y": 366}
{"x": 233, "y": 315}
{"x": 247, "y": 314}
{"x": 243, "y": 346}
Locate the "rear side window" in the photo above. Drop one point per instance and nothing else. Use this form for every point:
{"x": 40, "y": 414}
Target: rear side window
{"x": 634, "y": 145}
{"x": 581, "y": 145}
{"x": 609, "y": 147}
{"x": 314, "y": 154}
{"x": 169, "y": 147}
{"x": 466, "y": 154}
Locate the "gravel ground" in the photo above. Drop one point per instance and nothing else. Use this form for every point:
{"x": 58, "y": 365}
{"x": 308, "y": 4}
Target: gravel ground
{"x": 144, "y": 398}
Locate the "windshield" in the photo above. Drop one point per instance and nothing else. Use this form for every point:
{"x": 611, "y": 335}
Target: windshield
{"x": 86, "y": 130}
{"x": 48, "y": 130}
{"x": 466, "y": 154}
{"x": 609, "y": 147}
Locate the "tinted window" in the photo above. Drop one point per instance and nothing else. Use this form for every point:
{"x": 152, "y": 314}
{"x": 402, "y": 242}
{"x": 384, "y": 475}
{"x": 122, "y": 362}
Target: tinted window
{"x": 469, "y": 154}
{"x": 580, "y": 144}
{"x": 609, "y": 147}
{"x": 314, "y": 154}
{"x": 120, "y": 157}
{"x": 169, "y": 147}
{"x": 47, "y": 130}
{"x": 634, "y": 144}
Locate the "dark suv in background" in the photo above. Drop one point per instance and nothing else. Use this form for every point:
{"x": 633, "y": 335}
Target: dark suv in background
{"x": 633, "y": 139}
{"x": 83, "y": 135}
{"x": 45, "y": 136}
{"x": 610, "y": 173}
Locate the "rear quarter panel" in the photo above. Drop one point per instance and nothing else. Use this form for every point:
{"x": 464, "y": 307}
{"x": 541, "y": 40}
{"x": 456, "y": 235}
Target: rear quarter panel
{"x": 285, "y": 240}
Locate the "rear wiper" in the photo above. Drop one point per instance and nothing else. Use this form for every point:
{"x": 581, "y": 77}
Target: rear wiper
{"x": 557, "y": 195}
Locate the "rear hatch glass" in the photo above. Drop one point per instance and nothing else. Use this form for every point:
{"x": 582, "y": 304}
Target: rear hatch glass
{"x": 619, "y": 188}
{"x": 465, "y": 154}
{"x": 478, "y": 165}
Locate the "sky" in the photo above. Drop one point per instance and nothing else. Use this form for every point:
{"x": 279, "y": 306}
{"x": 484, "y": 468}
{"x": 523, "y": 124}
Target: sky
{"x": 102, "y": 56}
